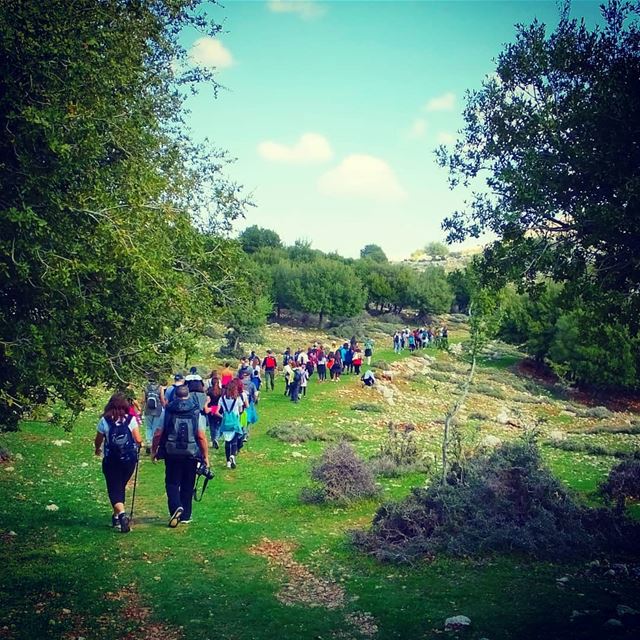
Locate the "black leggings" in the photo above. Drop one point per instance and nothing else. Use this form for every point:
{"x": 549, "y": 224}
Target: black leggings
{"x": 117, "y": 474}
{"x": 231, "y": 447}
{"x": 322, "y": 372}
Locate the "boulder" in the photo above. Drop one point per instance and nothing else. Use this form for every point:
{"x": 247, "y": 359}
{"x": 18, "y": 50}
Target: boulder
{"x": 491, "y": 441}
{"x": 456, "y": 622}
{"x": 557, "y": 436}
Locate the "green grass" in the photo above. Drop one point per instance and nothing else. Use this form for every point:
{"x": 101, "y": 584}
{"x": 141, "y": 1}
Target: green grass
{"x": 203, "y": 577}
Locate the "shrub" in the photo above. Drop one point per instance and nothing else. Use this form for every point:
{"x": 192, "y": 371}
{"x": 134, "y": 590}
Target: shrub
{"x": 587, "y": 447}
{"x": 592, "y": 412}
{"x": 341, "y": 476}
{"x": 478, "y": 415}
{"x": 292, "y": 432}
{"x": 524, "y": 399}
{"x": 506, "y": 502}
{"x": 623, "y": 482}
{"x": 399, "y": 453}
{"x": 624, "y": 429}
{"x": 296, "y": 432}
{"x": 380, "y": 364}
{"x": 440, "y": 377}
{"x": 367, "y": 407}
{"x": 487, "y": 390}
{"x": 443, "y": 366}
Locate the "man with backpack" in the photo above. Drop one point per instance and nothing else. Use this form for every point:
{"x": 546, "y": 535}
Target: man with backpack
{"x": 269, "y": 365}
{"x": 153, "y": 408}
{"x": 178, "y": 380}
{"x": 181, "y": 442}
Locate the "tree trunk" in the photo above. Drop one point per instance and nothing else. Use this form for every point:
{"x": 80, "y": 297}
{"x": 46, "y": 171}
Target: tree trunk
{"x": 320, "y": 319}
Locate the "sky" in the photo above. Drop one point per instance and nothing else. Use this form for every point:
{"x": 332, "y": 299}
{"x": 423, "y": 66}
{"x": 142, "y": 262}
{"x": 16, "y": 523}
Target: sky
{"x": 333, "y": 110}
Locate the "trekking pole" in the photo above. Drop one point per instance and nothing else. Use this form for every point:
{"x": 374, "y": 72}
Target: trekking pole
{"x": 135, "y": 483}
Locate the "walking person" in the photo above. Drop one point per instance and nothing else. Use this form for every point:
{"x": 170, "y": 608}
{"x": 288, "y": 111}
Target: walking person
{"x": 322, "y": 364}
{"x": 153, "y": 412}
{"x": 215, "y": 393}
{"x": 287, "y": 370}
{"x": 336, "y": 368}
{"x": 229, "y": 409}
{"x": 357, "y": 361}
{"x": 118, "y": 439}
{"x": 368, "y": 350}
{"x": 304, "y": 379}
{"x": 294, "y": 386}
{"x": 181, "y": 443}
{"x": 269, "y": 365}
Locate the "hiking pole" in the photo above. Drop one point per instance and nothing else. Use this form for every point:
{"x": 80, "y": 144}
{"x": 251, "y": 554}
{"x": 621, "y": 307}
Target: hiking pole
{"x": 135, "y": 483}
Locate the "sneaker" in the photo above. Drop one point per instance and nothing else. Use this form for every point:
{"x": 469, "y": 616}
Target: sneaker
{"x": 228, "y": 464}
{"x": 232, "y": 461}
{"x": 115, "y": 523}
{"x": 185, "y": 521}
{"x": 124, "y": 522}
{"x": 175, "y": 518}
{"x": 215, "y": 444}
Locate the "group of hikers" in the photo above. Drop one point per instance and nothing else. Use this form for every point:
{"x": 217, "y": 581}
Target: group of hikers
{"x": 421, "y": 338}
{"x": 176, "y": 418}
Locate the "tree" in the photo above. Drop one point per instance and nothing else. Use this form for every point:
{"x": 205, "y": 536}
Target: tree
{"x": 436, "y": 250}
{"x": 103, "y": 272}
{"x": 555, "y": 133}
{"x": 325, "y": 287}
{"x": 373, "y": 252}
{"x": 255, "y": 238}
{"x": 431, "y": 292}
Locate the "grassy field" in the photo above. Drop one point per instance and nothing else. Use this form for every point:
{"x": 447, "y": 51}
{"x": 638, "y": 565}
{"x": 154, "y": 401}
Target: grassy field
{"x": 256, "y": 563}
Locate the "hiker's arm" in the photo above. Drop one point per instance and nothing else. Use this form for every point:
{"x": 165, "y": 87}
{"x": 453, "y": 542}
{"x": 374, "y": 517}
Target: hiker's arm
{"x": 136, "y": 436}
{"x": 98, "y": 443}
{"x": 204, "y": 446}
{"x": 163, "y": 402}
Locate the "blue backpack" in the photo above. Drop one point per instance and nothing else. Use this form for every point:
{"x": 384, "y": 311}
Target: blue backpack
{"x": 120, "y": 442}
{"x": 230, "y": 419}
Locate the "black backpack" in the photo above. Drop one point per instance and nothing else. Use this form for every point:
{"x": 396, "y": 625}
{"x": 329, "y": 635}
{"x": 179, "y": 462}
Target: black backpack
{"x": 153, "y": 405}
{"x": 180, "y": 432}
{"x": 120, "y": 442}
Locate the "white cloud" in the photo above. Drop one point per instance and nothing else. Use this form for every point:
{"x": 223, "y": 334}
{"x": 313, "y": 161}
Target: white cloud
{"x": 307, "y": 9}
{"x": 362, "y": 176}
{"x": 418, "y": 129}
{"x": 311, "y": 147}
{"x": 209, "y": 52}
{"x": 445, "y": 102}
{"x": 444, "y": 137}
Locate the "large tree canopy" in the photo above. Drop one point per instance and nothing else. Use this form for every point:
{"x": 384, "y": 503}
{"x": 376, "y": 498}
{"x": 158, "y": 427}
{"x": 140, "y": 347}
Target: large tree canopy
{"x": 554, "y": 135}
{"x": 101, "y": 267}
{"x": 254, "y": 238}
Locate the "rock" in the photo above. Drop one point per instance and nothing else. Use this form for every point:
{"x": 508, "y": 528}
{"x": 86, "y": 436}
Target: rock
{"x": 613, "y": 623}
{"x": 84, "y": 464}
{"x": 456, "y": 622}
{"x": 571, "y": 414}
{"x": 13, "y": 534}
{"x": 562, "y": 580}
{"x": 490, "y": 441}
{"x": 9, "y": 469}
{"x": 52, "y": 507}
{"x": 557, "y": 436}
{"x": 623, "y": 610}
{"x": 503, "y": 417}
{"x": 59, "y": 443}
{"x": 297, "y": 454}
{"x": 19, "y": 456}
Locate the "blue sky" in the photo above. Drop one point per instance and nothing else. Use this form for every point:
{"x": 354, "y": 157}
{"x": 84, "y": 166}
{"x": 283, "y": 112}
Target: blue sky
{"x": 333, "y": 109}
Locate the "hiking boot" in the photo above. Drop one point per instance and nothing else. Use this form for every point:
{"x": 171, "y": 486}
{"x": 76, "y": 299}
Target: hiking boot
{"x": 175, "y": 518}
{"x": 215, "y": 444}
{"x": 124, "y": 520}
{"x": 232, "y": 461}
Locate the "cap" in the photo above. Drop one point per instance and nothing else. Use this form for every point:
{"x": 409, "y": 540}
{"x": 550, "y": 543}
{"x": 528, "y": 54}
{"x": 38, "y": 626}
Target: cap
{"x": 178, "y": 376}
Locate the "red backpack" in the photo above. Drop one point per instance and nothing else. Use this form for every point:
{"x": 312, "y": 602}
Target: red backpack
{"x": 270, "y": 362}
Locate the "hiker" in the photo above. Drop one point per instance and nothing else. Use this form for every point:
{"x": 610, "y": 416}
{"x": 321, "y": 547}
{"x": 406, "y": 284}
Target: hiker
{"x": 244, "y": 366}
{"x": 357, "y": 361}
{"x": 181, "y": 442}
{"x": 192, "y": 375}
{"x": 321, "y": 359}
{"x": 226, "y": 375}
{"x": 368, "y": 349}
{"x": 118, "y": 438}
{"x": 347, "y": 358}
{"x": 269, "y": 365}
{"x": 294, "y": 386}
{"x": 286, "y": 356}
{"x": 396, "y": 342}
{"x": 287, "y": 370}
{"x": 368, "y": 378}
{"x": 256, "y": 376}
{"x": 304, "y": 379}
{"x": 178, "y": 380}
{"x": 215, "y": 393}
{"x": 153, "y": 408}
{"x": 336, "y": 368}
{"x": 251, "y": 396}
{"x": 228, "y": 410}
